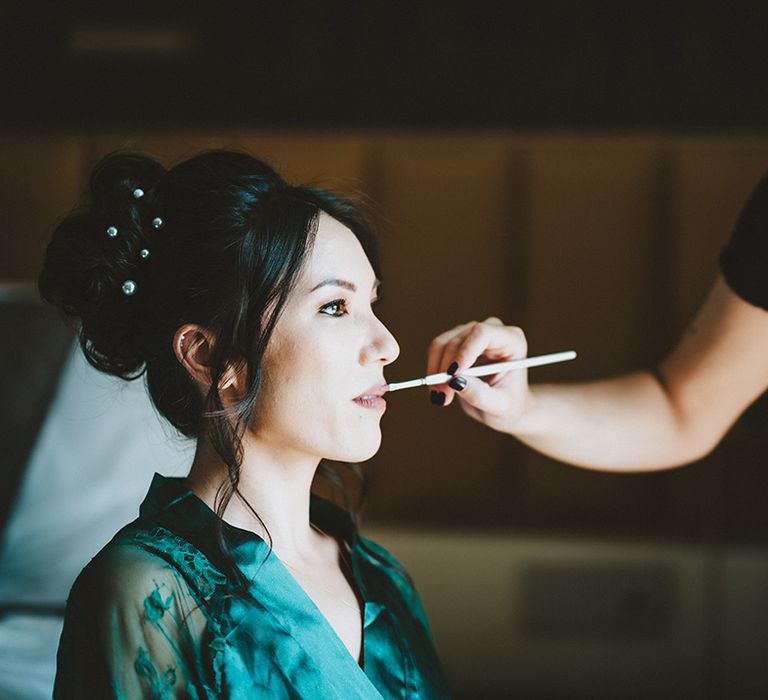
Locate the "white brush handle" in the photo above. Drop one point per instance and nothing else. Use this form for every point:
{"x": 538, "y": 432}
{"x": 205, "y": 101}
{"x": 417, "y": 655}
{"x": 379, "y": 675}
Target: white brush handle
{"x": 485, "y": 370}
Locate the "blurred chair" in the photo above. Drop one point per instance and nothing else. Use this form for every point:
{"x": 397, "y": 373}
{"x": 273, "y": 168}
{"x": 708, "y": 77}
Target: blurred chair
{"x": 79, "y": 451}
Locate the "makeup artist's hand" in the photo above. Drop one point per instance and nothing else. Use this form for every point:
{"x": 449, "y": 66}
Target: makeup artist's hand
{"x": 650, "y": 419}
{"x": 499, "y": 400}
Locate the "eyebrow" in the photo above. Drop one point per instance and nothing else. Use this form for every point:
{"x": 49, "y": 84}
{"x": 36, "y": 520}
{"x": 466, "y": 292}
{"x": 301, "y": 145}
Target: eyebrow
{"x": 335, "y": 282}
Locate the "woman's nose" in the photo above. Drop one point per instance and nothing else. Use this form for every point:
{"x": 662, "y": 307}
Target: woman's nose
{"x": 383, "y": 346}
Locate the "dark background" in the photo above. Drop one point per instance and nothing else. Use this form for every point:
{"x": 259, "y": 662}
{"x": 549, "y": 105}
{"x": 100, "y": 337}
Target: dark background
{"x": 388, "y": 64}
{"x": 630, "y": 87}
{"x": 430, "y": 69}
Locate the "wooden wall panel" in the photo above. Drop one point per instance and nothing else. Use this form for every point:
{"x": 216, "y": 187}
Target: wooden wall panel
{"x": 168, "y": 147}
{"x": 39, "y": 183}
{"x": 712, "y": 182}
{"x": 594, "y": 252}
{"x": 336, "y": 162}
{"x": 445, "y": 248}
{"x": 447, "y": 240}
{"x": 604, "y": 244}
{"x": 595, "y": 255}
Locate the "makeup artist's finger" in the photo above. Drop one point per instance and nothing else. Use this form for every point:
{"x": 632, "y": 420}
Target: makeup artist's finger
{"x": 451, "y": 360}
{"x": 452, "y": 346}
{"x": 478, "y": 398}
{"x": 436, "y": 349}
{"x": 453, "y": 341}
{"x": 442, "y": 349}
{"x": 495, "y": 342}
{"x": 446, "y": 363}
{"x": 487, "y": 340}
{"x": 437, "y": 346}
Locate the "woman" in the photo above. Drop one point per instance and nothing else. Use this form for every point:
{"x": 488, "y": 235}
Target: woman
{"x": 248, "y": 305}
{"x": 646, "y": 420}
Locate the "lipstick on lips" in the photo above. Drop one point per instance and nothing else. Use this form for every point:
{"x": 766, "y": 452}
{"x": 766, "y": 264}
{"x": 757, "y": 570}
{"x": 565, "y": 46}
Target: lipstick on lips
{"x": 373, "y": 397}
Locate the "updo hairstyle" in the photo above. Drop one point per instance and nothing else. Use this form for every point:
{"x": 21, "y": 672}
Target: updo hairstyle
{"x": 218, "y": 240}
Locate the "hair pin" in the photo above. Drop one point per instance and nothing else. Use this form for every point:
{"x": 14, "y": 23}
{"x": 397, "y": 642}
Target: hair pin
{"x": 144, "y": 253}
{"x": 138, "y": 193}
{"x": 157, "y": 222}
{"x": 112, "y": 231}
{"x": 129, "y": 288}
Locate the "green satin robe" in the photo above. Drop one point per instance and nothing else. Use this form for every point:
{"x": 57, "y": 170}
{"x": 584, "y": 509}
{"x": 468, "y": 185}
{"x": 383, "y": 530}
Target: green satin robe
{"x": 156, "y": 615}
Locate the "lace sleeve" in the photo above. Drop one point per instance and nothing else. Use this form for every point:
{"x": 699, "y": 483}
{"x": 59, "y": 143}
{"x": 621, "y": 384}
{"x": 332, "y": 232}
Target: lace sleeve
{"x": 134, "y": 629}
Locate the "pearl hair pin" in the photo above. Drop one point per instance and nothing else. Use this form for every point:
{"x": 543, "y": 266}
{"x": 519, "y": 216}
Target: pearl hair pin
{"x": 138, "y": 193}
{"x": 129, "y": 288}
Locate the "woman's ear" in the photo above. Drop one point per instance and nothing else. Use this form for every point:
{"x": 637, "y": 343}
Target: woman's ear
{"x": 192, "y": 346}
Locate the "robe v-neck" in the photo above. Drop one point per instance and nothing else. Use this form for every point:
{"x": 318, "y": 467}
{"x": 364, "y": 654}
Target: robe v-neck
{"x": 161, "y": 612}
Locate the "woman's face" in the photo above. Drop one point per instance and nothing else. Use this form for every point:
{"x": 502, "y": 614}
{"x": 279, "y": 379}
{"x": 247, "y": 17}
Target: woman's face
{"x": 327, "y": 352}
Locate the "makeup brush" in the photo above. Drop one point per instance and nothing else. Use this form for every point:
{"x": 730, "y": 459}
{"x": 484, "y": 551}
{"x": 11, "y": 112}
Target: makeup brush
{"x": 485, "y": 370}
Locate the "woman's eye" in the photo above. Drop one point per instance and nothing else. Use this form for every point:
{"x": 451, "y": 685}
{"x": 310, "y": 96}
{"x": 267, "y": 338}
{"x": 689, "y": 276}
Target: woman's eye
{"x": 334, "y": 308}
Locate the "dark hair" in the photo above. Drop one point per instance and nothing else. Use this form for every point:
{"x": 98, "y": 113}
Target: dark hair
{"x": 218, "y": 240}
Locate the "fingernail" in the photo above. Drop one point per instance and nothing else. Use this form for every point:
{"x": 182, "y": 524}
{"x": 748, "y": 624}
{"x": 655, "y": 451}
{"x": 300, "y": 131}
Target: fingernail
{"x": 452, "y": 369}
{"x": 437, "y": 397}
{"x": 457, "y": 383}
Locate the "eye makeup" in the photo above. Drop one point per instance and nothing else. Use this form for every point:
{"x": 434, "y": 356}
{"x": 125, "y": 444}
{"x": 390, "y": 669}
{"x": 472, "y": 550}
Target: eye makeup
{"x": 342, "y": 303}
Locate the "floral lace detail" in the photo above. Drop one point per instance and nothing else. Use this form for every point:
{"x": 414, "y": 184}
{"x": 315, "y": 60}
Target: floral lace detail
{"x": 154, "y": 605}
{"x": 190, "y": 561}
{"x": 160, "y": 686}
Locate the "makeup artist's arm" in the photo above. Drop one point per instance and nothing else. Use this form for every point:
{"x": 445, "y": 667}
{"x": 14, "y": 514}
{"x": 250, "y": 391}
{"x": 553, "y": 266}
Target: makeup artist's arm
{"x": 641, "y": 421}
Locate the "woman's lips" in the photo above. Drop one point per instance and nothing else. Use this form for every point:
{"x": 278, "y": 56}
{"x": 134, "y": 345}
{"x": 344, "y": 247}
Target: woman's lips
{"x": 371, "y": 401}
{"x": 373, "y": 398}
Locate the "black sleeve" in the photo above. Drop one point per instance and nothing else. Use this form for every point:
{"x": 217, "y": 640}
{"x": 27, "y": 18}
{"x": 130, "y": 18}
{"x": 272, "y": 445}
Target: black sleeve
{"x": 744, "y": 260}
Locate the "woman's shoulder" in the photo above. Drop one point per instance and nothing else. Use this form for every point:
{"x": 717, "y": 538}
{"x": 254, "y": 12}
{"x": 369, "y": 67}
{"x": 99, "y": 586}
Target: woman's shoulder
{"x": 140, "y": 565}
{"x": 137, "y": 617}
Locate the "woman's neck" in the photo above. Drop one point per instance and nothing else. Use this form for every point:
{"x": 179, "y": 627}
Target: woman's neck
{"x": 276, "y": 485}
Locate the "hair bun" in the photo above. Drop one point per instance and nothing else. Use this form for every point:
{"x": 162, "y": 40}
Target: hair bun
{"x": 117, "y": 176}
{"x": 94, "y": 253}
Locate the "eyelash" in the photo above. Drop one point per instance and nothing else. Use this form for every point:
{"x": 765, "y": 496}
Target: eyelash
{"x": 343, "y": 304}
{"x": 336, "y": 302}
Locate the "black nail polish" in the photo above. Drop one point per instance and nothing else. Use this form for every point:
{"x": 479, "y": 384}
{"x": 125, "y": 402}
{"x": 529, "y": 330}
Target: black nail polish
{"x": 457, "y": 383}
{"x": 452, "y": 369}
{"x": 437, "y": 397}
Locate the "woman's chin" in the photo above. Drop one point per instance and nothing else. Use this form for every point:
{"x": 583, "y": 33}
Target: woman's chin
{"x": 362, "y": 451}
